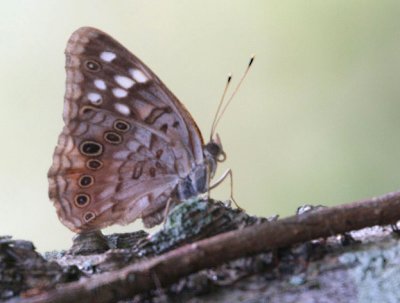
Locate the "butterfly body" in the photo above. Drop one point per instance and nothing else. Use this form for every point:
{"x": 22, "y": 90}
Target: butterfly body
{"x": 128, "y": 145}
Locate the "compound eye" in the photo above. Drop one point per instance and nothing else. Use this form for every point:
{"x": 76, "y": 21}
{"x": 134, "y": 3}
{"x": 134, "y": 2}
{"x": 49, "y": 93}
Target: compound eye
{"x": 221, "y": 157}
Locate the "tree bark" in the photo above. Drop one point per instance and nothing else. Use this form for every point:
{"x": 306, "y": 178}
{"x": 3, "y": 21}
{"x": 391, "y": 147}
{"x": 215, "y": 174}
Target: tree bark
{"x": 144, "y": 275}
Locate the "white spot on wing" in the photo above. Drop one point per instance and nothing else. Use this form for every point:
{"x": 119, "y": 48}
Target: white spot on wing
{"x": 106, "y": 193}
{"x": 107, "y": 56}
{"x": 100, "y": 84}
{"x": 98, "y": 117}
{"x": 95, "y": 98}
{"x": 82, "y": 128}
{"x": 119, "y": 92}
{"x": 143, "y": 108}
{"x": 142, "y": 203}
{"x": 69, "y": 145}
{"x": 122, "y": 108}
{"x": 138, "y": 75}
{"x": 133, "y": 145}
{"x": 143, "y": 136}
{"x": 121, "y": 155}
{"x": 123, "y": 81}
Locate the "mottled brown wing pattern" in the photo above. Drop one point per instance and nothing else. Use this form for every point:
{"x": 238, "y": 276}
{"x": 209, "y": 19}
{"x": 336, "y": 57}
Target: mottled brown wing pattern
{"x": 126, "y": 142}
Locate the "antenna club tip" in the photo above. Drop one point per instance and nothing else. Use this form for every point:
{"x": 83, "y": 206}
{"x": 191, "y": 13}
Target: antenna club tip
{"x": 229, "y": 77}
{"x": 252, "y": 59}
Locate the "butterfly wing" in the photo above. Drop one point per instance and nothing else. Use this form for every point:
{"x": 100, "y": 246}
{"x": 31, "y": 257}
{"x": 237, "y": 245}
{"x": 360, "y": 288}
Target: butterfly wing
{"x": 126, "y": 142}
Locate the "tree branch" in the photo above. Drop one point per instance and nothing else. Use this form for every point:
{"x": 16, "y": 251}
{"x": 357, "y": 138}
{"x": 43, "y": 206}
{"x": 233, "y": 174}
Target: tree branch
{"x": 169, "y": 267}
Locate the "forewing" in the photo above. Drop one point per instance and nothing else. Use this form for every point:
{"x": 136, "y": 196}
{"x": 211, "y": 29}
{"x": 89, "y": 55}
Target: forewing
{"x": 126, "y": 142}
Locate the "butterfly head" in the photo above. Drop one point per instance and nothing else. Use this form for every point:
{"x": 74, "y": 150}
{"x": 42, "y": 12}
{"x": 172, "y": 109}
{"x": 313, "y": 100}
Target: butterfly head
{"x": 213, "y": 152}
{"x": 214, "y": 149}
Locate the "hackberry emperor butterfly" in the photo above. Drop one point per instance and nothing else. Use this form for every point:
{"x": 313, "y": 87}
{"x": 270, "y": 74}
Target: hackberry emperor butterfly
{"x": 128, "y": 145}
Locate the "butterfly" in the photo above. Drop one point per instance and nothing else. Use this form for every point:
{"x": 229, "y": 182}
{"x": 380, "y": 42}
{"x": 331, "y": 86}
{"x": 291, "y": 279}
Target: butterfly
{"x": 128, "y": 146}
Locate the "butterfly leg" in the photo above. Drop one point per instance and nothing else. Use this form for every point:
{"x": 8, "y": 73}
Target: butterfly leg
{"x": 166, "y": 211}
{"x": 226, "y": 174}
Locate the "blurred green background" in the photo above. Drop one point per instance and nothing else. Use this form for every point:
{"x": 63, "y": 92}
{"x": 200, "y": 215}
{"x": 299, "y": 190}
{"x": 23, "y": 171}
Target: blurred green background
{"x": 316, "y": 121}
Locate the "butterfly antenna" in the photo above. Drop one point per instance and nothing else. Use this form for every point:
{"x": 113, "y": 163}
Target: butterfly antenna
{"x": 220, "y": 105}
{"x": 233, "y": 94}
